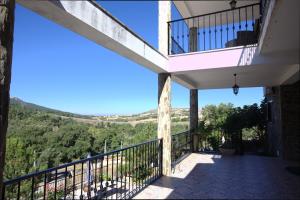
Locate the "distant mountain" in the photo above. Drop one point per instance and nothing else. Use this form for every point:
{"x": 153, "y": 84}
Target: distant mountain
{"x": 178, "y": 114}
{"x": 17, "y": 101}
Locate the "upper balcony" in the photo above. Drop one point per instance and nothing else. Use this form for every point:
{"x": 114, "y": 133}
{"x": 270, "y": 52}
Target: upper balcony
{"x": 237, "y": 26}
{"x": 212, "y": 41}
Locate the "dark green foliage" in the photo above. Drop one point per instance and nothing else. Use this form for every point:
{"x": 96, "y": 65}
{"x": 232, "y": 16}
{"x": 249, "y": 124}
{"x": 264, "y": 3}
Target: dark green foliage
{"x": 39, "y": 138}
{"x": 232, "y": 122}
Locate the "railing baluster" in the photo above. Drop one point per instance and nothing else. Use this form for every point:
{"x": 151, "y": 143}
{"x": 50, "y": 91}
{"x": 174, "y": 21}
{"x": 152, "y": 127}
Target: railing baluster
{"x": 95, "y": 178}
{"x": 204, "y": 31}
{"x": 112, "y": 173}
{"x": 117, "y": 179}
{"x": 183, "y": 34}
{"x": 215, "y": 31}
{"x": 252, "y": 17}
{"x": 101, "y": 174}
{"x": 233, "y": 27}
{"x": 198, "y": 33}
{"x": 107, "y": 178}
{"x": 55, "y": 184}
{"x": 74, "y": 174}
{"x": 209, "y": 31}
{"x": 227, "y": 25}
{"x": 121, "y": 174}
{"x": 65, "y": 184}
{"x": 135, "y": 167}
{"x": 32, "y": 187}
{"x": 129, "y": 170}
{"x": 81, "y": 184}
{"x": 126, "y": 171}
{"x": 19, "y": 188}
{"x": 246, "y": 25}
{"x": 221, "y": 30}
{"x": 45, "y": 185}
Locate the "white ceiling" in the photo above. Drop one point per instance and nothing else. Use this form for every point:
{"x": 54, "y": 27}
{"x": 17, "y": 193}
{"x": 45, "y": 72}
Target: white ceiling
{"x": 247, "y": 76}
{"x": 193, "y": 8}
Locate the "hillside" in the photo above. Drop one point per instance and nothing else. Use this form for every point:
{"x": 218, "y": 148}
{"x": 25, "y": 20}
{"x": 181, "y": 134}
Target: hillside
{"x": 40, "y": 138}
{"x": 179, "y": 115}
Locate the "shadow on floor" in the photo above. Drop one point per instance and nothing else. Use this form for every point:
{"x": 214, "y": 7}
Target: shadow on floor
{"x": 229, "y": 177}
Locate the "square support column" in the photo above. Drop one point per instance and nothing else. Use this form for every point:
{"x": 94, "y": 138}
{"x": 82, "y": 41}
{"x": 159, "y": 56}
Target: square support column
{"x": 164, "y": 119}
{"x": 194, "y": 119}
{"x": 7, "y": 10}
{"x": 164, "y": 88}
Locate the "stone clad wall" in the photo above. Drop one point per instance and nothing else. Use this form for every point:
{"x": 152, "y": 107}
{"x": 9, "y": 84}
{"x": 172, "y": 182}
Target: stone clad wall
{"x": 284, "y": 129}
{"x": 290, "y": 116}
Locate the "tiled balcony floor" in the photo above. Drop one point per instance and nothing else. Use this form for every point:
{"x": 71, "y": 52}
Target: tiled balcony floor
{"x": 231, "y": 177}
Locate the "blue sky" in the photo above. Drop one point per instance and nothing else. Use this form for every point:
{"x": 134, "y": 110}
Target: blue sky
{"x": 57, "y": 68}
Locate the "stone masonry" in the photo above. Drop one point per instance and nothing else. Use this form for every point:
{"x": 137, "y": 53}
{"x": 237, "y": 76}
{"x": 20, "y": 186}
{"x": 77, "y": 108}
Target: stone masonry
{"x": 7, "y": 9}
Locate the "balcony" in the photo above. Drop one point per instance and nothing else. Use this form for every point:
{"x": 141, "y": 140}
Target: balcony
{"x": 119, "y": 174}
{"x": 222, "y": 29}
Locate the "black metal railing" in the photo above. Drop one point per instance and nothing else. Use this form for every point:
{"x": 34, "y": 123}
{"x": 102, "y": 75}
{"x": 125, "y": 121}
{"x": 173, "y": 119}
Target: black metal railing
{"x": 222, "y": 29}
{"x": 181, "y": 145}
{"x": 119, "y": 174}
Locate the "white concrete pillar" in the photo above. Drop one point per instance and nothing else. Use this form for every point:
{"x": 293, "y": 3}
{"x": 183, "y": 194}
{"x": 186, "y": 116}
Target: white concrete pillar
{"x": 164, "y": 15}
{"x": 194, "y": 118}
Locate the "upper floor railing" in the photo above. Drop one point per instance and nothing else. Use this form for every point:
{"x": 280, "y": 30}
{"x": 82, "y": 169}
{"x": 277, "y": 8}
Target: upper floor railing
{"x": 228, "y": 28}
{"x": 119, "y": 174}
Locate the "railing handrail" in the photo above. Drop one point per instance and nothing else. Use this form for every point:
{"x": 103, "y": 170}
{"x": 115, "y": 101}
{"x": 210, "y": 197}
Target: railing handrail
{"x": 102, "y": 155}
{"x": 202, "y": 15}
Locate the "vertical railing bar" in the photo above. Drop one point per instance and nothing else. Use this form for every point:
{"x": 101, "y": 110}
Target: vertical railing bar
{"x": 161, "y": 157}
{"x": 74, "y": 174}
{"x": 209, "y": 31}
{"x": 65, "y": 185}
{"x": 233, "y": 27}
{"x": 221, "y": 30}
{"x": 55, "y": 184}
{"x": 95, "y": 178}
{"x": 169, "y": 38}
{"x": 81, "y": 182}
{"x": 32, "y": 187}
{"x": 112, "y": 173}
{"x": 129, "y": 173}
{"x": 106, "y": 183}
{"x": 204, "y": 31}
{"x": 121, "y": 174}
{"x": 198, "y": 33}
{"x": 246, "y": 25}
{"x": 240, "y": 26}
{"x": 45, "y": 185}
{"x": 126, "y": 170}
{"x": 135, "y": 168}
{"x": 139, "y": 166}
{"x": 252, "y": 17}
{"x": 216, "y": 31}
{"x": 182, "y": 34}
{"x": 101, "y": 174}
{"x": 227, "y": 25}
{"x": 148, "y": 163}
{"x": 117, "y": 171}
{"x": 19, "y": 188}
